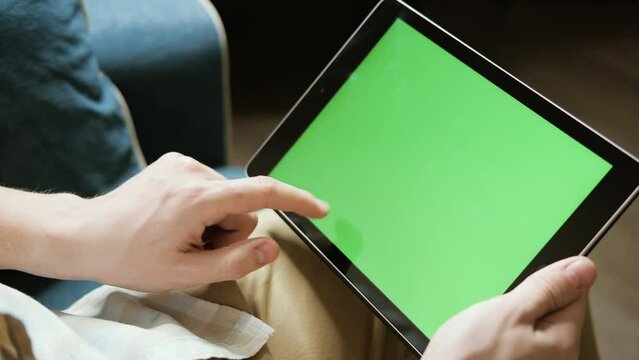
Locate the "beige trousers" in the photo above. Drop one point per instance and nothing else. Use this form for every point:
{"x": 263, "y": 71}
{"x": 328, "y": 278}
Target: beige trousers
{"x": 315, "y": 316}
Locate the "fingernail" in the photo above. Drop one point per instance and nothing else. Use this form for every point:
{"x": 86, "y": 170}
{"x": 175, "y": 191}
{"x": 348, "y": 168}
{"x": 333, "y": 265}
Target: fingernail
{"x": 578, "y": 273}
{"x": 325, "y": 207}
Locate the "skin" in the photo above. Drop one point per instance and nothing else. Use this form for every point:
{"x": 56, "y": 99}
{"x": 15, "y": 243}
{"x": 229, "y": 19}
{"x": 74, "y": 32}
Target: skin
{"x": 179, "y": 224}
{"x": 147, "y": 235}
{"x": 541, "y": 318}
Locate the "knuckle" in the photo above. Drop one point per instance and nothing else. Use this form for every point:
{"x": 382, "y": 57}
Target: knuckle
{"x": 263, "y": 180}
{"x": 171, "y": 155}
{"x": 549, "y": 290}
{"x": 236, "y": 192}
{"x": 166, "y": 160}
{"x": 189, "y": 164}
{"x": 512, "y": 315}
{"x": 267, "y": 184}
{"x": 235, "y": 267}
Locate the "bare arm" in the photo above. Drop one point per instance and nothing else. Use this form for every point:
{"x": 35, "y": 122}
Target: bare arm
{"x": 176, "y": 225}
{"x": 29, "y": 227}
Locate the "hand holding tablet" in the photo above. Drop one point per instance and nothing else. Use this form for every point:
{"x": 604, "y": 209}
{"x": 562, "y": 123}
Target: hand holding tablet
{"x": 543, "y": 316}
{"x": 450, "y": 181}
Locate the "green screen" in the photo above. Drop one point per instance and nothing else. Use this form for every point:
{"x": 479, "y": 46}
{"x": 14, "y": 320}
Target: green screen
{"x": 442, "y": 186}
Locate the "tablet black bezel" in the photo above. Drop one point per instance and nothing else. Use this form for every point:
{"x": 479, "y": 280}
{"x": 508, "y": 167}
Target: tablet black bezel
{"x": 577, "y": 236}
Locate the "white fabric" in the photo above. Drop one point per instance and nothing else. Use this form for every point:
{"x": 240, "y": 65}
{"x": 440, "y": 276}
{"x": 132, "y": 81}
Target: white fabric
{"x": 113, "y": 323}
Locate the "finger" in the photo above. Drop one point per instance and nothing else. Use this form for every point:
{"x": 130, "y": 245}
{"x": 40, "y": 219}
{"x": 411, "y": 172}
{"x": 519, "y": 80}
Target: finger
{"x": 232, "y": 262}
{"x": 251, "y": 194}
{"x": 231, "y": 229}
{"x": 562, "y": 330}
{"x": 239, "y": 222}
{"x": 554, "y": 287}
{"x": 568, "y": 320}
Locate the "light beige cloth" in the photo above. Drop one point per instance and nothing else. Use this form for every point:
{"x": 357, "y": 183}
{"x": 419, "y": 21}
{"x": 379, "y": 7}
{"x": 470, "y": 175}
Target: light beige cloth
{"x": 113, "y": 323}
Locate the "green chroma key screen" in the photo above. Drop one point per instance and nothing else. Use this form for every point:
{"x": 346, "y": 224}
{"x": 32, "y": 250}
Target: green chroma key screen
{"x": 442, "y": 186}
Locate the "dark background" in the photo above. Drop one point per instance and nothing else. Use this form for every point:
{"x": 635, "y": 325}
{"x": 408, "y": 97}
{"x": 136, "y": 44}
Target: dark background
{"x": 279, "y": 47}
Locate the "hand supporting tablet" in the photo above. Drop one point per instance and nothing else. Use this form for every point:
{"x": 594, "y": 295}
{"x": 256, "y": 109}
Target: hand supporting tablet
{"x": 543, "y": 316}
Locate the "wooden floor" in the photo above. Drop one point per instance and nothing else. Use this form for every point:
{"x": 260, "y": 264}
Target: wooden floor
{"x": 596, "y": 79}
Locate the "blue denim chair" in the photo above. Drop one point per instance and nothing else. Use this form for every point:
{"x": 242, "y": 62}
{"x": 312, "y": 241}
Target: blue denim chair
{"x": 169, "y": 59}
{"x": 66, "y": 68}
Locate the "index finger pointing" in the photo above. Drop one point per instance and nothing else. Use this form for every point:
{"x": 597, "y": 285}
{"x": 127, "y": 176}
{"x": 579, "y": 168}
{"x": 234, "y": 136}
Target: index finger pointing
{"x": 261, "y": 192}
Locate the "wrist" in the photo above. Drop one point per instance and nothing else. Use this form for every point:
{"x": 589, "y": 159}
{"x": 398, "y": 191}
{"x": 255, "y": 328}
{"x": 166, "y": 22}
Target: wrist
{"x": 37, "y": 230}
{"x": 58, "y": 248}
{"x": 17, "y": 234}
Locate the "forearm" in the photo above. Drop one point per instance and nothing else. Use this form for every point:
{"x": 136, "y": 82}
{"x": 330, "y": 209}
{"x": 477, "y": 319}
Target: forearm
{"x": 33, "y": 230}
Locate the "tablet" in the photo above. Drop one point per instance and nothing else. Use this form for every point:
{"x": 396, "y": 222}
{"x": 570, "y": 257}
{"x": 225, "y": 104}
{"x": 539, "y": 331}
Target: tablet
{"x": 449, "y": 179}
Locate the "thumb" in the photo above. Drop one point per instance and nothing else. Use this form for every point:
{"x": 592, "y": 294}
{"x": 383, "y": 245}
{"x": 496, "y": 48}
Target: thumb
{"x": 554, "y": 287}
{"x": 233, "y": 261}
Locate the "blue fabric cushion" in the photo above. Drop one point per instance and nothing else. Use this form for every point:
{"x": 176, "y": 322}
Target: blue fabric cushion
{"x": 167, "y": 58}
{"x": 61, "y": 125}
{"x": 231, "y": 172}
{"x": 61, "y": 294}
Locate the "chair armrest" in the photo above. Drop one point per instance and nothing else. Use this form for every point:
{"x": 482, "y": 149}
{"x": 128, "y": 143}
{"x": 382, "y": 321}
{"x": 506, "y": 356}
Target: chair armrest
{"x": 169, "y": 60}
